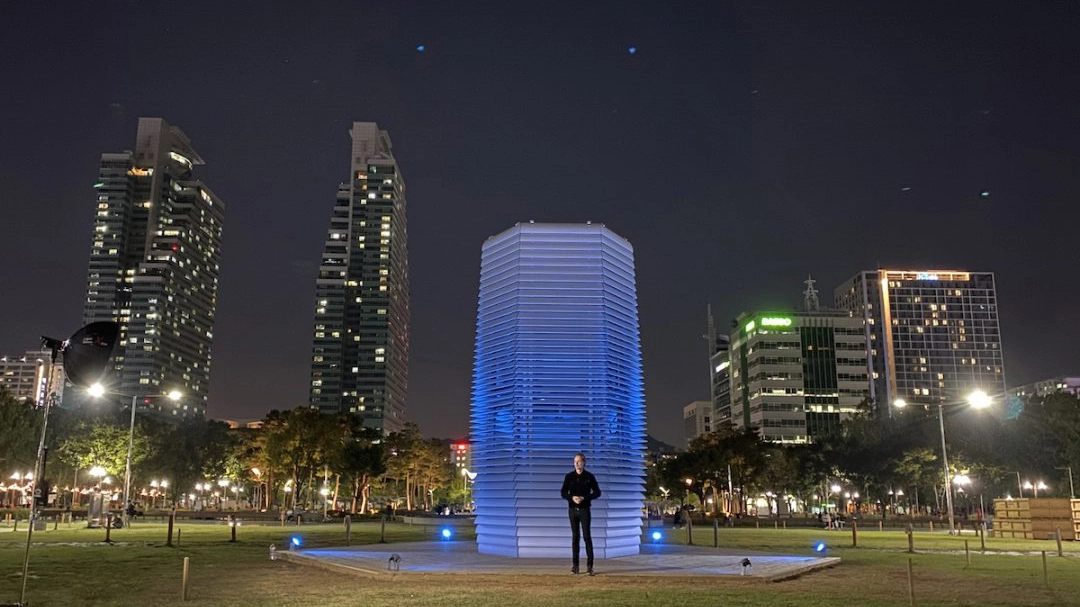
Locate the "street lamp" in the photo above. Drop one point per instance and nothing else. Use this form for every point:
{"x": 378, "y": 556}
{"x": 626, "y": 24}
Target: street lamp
{"x": 1035, "y": 487}
{"x": 1072, "y": 492}
{"x": 977, "y": 400}
{"x": 98, "y": 390}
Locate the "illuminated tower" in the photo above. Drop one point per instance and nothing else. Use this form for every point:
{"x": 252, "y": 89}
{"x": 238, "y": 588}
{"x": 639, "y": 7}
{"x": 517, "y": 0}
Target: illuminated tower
{"x": 557, "y": 371}
{"x": 360, "y": 352}
{"x": 154, "y": 265}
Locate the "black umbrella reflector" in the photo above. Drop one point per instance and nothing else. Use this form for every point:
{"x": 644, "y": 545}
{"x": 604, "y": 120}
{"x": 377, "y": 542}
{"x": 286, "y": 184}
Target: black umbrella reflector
{"x": 88, "y": 352}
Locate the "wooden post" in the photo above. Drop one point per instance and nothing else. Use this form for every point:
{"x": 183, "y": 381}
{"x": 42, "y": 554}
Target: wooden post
{"x": 910, "y": 583}
{"x": 172, "y": 521}
{"x": 1057, "y": 536}
{"x": 967, "y": 553}
{"x": 348, "y": 530}
{"x": 880, "y": 526}
{"x": 785, "y": 525}
{"x": 757, "y": 523}
{"x": 689, "y": 530}
{"x": 931, "y": 526}
{"x": 382, "y": 531}
{"x": 776, "y": 524}
{"x": 982, "y": 537}
{"x": 184, "y": 579}
{"x": 177, "y": 538}
{"x": 854, "y": 533}
{"x": 108, "y": 528}
{"x": 232, "y": 528}
{"x": 910, "y": 539}
{"x": 1046, "y": 576}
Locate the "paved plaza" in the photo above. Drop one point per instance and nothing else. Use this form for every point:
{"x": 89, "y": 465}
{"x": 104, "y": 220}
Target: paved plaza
{"x": 453, "y": 557}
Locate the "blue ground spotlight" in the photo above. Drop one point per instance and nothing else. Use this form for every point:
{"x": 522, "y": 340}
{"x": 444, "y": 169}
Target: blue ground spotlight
{"x": 819, "y": 547}
{"x": 446, "y": 533}
{"x": 657, "y": 536}
{"x": 295, "y": 541}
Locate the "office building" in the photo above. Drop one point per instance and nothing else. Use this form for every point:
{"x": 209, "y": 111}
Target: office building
{"x": 360, "y": 352}
{"x": 697, "y": 420}
{"x": 933, "y": 335}
{"x": 797, "y": 375}
{"x": 1046, "y": 387}
{"x": 557, "y": 371}
{"x": 30, "y": 377}
{"x": 719, "y": 373}
{"x": 154, "y": 263}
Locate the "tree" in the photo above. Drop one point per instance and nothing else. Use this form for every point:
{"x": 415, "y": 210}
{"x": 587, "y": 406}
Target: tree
{"x": 20, "y": 428}
{"x": 103, "y": 444}
{"x": 188, "y": 451}
{"x": 362, "y": 458}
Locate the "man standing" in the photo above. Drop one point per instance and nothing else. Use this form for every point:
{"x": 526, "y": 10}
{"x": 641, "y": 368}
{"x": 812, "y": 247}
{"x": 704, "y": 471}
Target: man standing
{"x": 579, "y": 489}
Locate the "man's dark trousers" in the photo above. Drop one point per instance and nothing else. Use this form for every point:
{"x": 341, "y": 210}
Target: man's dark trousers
{"x": 581, "y": 524}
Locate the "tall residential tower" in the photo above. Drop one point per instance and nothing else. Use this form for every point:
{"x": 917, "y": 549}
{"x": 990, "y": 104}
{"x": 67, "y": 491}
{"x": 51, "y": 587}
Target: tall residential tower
{"x": 154, "y": 265}
{"x": 360, "y": 353}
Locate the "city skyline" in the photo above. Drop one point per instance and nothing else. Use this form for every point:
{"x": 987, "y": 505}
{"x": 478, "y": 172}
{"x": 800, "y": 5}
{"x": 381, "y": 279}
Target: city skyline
{"x": 738, "y": 148}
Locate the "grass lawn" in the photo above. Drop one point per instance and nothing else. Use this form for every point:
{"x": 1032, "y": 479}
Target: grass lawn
{"x": 72, "y": 567}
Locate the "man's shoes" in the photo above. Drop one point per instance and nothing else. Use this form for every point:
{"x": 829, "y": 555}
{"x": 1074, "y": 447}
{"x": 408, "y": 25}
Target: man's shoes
{"x": 574, "y": 570}
{"x": 591, "y": 572}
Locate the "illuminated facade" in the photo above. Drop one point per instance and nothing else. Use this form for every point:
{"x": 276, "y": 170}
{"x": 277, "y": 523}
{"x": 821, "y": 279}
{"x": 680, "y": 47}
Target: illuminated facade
{"x": 933, "y": 335}
{"x": 154, "y": 265}
{"x": 27, "y": 377}
{"x": 360, "y": 351}
{"x": 797, "y": 375}
{"x": 557, "y": 370}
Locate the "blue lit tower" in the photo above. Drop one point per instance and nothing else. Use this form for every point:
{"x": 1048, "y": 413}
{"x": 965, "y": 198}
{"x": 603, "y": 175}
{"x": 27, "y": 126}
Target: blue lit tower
{"x": 557, "y": 370}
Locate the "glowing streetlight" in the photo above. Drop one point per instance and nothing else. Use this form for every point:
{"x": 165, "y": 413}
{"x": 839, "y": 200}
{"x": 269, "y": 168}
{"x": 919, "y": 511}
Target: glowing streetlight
{"x": 98, "y": 390}
{"x": 977, "y": 400}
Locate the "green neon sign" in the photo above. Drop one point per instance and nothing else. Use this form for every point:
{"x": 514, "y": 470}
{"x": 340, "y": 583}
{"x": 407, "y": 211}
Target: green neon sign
{"x": 775, "y": 322}
{"x": 749, "y": 327}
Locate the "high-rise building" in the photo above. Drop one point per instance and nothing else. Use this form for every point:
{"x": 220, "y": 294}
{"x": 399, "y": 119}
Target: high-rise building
{"x": 719, "y": 374}
{"x": 557, "y": 371}
{"x": 360, "y": 353}
{"x": 797, "y": 375}
{"x": 933, "y": 335}
{"x": 31, "y": 376}
{"x": 154, "y": 264}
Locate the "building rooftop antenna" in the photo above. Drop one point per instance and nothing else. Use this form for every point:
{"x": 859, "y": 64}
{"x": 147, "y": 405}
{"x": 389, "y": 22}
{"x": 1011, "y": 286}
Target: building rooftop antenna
{"x": 810, "y": 298}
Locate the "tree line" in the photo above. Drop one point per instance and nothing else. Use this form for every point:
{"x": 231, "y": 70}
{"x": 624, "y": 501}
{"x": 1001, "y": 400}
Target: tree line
{"x": 296, "y": 460}
{"x": 875, "y": 461}
{"x": 301, "y": 457}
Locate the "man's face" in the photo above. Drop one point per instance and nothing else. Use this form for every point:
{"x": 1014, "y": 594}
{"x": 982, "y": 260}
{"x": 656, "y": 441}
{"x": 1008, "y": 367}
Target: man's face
{"x": 579, "y": 463}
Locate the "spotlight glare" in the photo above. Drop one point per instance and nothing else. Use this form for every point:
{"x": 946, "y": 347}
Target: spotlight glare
{"x": 657, "y": 536}
{"x": 820, "y": 547}
{"x": 446, "y": 533}
{"x": 295, "y": 540}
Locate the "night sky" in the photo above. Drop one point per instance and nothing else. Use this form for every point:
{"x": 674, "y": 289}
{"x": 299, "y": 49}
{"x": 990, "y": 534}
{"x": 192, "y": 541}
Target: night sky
{"x": 738, "y": 147}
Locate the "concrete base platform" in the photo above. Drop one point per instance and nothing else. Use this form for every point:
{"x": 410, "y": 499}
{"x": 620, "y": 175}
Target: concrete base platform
{"x": 654, "y": 560}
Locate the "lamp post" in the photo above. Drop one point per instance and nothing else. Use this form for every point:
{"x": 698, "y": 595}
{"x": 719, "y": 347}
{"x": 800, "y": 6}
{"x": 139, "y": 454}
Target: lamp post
{"x": 1019, "y": 484}
{"x": 98, "y": 390}
{"x": 978, "y": 400}
{"x": 1072, "y": 492}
